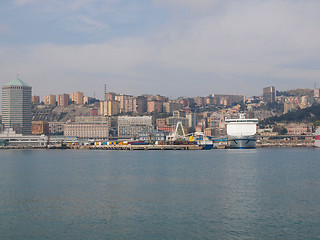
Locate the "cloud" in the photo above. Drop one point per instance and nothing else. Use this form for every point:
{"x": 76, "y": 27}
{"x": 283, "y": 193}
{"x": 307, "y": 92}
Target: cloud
{"x": 193, "y": 6}
{"x": 62, "y": 6}
{"x": 24, "y": 2}
{"x": 5, "y": 29}
{"x": 84, "y": 24}
{"x": 245, "y": 48}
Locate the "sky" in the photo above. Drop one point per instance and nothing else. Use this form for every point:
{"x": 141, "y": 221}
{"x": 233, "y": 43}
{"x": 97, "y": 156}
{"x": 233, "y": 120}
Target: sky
{"x": 168, "y": 47}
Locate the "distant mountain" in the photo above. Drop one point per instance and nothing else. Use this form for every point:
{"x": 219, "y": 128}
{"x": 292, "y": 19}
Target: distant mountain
{"x": 296, "y": 92}
{"x": 310, "y": 114}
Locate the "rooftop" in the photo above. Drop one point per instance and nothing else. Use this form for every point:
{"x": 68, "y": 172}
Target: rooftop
{"x": 17, "y": 82}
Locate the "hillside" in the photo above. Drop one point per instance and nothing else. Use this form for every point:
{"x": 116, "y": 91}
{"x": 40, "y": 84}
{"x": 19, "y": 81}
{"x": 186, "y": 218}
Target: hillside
{"x": 310, "y": 115}
{"x": 296, "y": 92}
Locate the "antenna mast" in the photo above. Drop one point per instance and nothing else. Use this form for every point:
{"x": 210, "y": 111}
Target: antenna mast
{"x": 105, "y": 92}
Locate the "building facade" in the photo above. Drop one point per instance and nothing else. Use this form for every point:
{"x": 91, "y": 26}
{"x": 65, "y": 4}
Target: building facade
{"x": 40, "y": 127}
{"x": 109, "y": 108}
{"x": 77, "y": 98}
{"x": 87, "y": 130}
{"x": 63, "y": 99}
{"x": 50, "y": 100}
{"x": 269, "y": 94}
{"x": 154, "y": 106}
{"x": 56, "y": 128}
{"x": 130, "y": 127}
{"x": 16, "y": 106}
{"x": 36, "y": 99}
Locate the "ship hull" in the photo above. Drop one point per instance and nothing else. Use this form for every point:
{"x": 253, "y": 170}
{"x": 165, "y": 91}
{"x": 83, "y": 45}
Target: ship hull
{"x": 242, "y": 143}
{"x": 317, "y": 138}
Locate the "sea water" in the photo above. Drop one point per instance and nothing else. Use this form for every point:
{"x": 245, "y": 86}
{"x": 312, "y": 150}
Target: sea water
{"x": 216, "y": 194}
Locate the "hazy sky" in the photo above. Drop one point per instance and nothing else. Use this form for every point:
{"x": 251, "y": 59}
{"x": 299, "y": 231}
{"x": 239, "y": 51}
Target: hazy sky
{"x": 168, "y": 47}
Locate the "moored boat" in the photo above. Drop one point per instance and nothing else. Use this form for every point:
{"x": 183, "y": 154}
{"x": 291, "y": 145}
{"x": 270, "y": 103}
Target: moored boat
{"x": 242, "y": 132}
{"x": 317, "y": 138}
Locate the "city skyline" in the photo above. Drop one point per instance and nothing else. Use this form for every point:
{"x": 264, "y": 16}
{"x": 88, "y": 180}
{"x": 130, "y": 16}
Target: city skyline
{"x": 173, "y": 48}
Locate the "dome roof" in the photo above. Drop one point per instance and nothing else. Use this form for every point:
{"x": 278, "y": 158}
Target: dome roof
{"x": 17, "y": 82}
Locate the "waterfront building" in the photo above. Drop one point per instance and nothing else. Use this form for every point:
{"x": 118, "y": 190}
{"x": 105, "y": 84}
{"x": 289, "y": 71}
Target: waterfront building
{"x": 9, "y": 137}
{"x": 152, "y": 136}
{"x": 39, "y": 127}
{"x": 50, "y": 100}
{"x": 130, "y": 127}
{"x": 129, "y": 121}
{"x": 87, "y": 130}
{"x": 88, "y": 127}
{"x": 16, "y": 106}
{"x": 299, "y": 129}
{"x": 63, "y": 99}
{"x": 36, "y": 99}
{"x": 56, "y": 128}
{"x": 269, "y": 94}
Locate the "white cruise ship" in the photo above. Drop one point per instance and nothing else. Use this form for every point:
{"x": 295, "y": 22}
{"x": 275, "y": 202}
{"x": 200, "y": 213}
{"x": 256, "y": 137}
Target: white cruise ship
{"x": 317, "y": 138}
{"x": 242, "y": 132}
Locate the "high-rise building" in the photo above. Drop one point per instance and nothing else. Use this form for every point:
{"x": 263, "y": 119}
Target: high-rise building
{"x": 140, "y": 104}
{"x": 109, "y": 108}
{"x": 16, "y": 106}
{"x": 154, "y": 106}
{"x": 63, "y": 100}
{"x": 269, "y": 94}
{"x": 78, "y": 98}
{"x": 36, "y": 99}
{"x": 50, "y": 100}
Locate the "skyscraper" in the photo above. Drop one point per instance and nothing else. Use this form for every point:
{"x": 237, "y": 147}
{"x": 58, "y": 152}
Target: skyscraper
{"x": 269, "y": 94}
{"x": 16, "y": 106}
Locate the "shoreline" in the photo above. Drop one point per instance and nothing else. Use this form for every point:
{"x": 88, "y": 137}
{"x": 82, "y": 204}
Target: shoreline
{"x": 145, "y": 147}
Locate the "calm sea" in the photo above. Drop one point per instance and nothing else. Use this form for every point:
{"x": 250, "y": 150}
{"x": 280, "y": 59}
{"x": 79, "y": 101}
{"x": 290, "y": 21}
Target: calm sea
{"x": 217, "y": 194}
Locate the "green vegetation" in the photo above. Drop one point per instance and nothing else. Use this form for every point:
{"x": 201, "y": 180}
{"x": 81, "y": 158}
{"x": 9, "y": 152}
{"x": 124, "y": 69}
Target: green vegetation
{"x": 296, "y": 92}
{"x": 280, "y": 130}
{"x": 311, "y": 114}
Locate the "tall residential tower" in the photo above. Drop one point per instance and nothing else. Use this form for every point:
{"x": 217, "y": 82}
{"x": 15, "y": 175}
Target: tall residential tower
{"x": 16, "y": 106}
{"x": 269, "y": 94}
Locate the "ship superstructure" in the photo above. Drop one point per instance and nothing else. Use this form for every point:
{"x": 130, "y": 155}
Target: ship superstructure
{"x": 242, "y": 132}
{"x": 317, "y": 138}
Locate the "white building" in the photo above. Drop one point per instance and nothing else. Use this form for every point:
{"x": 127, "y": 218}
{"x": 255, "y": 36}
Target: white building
{"x": 130, "y": 127}
{"x": 87, "y": 130}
